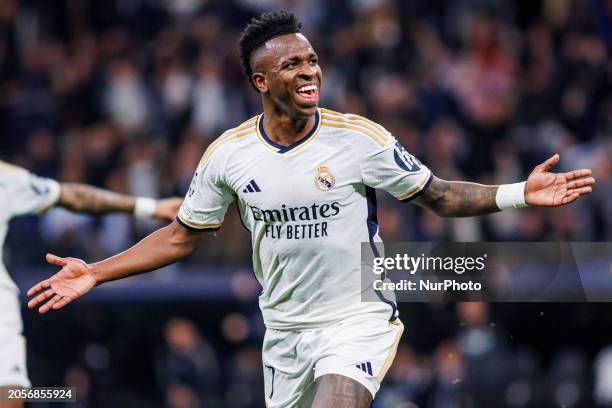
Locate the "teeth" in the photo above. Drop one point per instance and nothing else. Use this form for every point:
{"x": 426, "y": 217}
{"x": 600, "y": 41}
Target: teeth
{"x": 307, "y": 88}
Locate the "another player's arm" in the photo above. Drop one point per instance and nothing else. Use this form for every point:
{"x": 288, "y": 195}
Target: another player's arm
{"x": 163, "y": 247}
{"x": 87, "y": 199}
{"x": 462, "y": 199}
{"x": 83, "y": 198}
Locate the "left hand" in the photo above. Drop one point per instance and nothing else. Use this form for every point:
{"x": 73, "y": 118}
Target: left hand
{"x": 555, "y": 189}
{"x": 167, "y": 209}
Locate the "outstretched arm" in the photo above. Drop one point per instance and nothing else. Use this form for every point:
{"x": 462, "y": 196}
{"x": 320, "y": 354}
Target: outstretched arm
{"x": 83, "y": 198}
{"x": 458, "y": 198}
{"x": 163, "y": 247}
{"x": 545, "y": 189}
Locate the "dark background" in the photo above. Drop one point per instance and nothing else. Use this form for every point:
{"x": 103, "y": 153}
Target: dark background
{"x": 127, "y": 95}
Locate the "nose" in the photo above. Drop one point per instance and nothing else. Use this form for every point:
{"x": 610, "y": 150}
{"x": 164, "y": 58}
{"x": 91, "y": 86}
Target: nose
{"x": 307, "y": 71}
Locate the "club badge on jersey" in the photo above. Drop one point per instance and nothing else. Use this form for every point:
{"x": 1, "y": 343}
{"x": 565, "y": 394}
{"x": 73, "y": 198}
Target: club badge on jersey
{"x": 405, "y": 160}
{"x": 324, "y": 180}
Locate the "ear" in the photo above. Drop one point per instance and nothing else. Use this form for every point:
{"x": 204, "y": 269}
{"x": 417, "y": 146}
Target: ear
{"x": 260, "y": 82}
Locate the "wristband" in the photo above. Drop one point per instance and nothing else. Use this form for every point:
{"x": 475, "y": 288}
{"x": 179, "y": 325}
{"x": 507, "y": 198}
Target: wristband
{"x": 511, "y": 196}
{"x": 145, "y": 207}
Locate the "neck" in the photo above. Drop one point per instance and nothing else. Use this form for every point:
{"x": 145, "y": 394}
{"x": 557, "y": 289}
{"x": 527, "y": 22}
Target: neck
{"x": 284, "y": 128}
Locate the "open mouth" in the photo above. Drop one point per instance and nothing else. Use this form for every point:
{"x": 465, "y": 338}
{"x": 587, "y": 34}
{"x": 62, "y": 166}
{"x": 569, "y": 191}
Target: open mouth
{"x": 308, "y": 93}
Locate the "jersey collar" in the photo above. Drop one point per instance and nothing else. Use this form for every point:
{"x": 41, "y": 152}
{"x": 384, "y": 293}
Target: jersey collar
{"x": 293, "y": 147}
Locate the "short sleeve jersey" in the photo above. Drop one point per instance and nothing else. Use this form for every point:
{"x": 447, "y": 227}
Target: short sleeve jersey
{"x": 308, "y": 206}
{"x": 21, "y": 193}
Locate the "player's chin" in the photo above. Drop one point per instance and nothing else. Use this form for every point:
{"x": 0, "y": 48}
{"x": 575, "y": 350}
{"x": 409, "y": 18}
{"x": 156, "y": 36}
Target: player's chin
{"x": 307, "y": 109}
{"x": 306, "y": 106}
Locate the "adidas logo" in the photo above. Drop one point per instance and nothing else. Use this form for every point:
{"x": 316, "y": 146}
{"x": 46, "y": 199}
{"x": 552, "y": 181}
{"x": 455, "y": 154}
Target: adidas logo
{"x": 16, "y": 369}
{"x": 365, "y": 367}
{"x": 252, "y": 187}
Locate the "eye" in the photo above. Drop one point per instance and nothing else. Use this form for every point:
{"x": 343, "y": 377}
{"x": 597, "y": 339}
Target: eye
{"x": 314, "y": 61}
{"x": 290, "y": 65}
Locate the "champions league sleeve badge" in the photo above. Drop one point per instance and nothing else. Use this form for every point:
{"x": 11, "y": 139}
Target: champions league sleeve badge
{"x": 324, "y": 180}
{"x": 405, "y": 160}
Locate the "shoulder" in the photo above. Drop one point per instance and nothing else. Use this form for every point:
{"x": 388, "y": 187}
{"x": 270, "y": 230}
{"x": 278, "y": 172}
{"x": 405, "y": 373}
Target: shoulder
{"x": 359, "y": 129}
{"x": 229, "y": 140}
{"x": 15, "y": 178}
{"x": 10, "y": 172}
{"x": 27, "y": 192}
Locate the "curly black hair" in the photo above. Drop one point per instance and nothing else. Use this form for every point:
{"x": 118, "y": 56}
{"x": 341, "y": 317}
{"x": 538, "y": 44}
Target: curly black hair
{"x": 262, "y": 29}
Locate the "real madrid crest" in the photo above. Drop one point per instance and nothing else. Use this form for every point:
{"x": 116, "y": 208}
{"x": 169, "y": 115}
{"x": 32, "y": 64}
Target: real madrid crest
{"x": 324, "y": 180}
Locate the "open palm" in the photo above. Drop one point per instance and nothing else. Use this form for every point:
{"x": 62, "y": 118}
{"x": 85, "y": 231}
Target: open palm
{"x": 554, "y": 189}
{"x": 74, "y": 280}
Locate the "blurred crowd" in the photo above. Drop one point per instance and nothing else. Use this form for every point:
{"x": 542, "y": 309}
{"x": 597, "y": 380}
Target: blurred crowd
{"x": 127, "y": 94}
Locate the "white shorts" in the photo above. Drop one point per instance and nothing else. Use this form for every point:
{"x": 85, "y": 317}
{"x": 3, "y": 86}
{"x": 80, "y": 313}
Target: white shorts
{"x": 13, "y": 370}
{"x": 361, "y": 349}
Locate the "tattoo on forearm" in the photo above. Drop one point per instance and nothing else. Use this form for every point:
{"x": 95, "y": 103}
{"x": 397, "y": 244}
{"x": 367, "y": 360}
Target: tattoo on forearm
{"x": 460, "y": 199}
{"x": 341, "y": 392}
{"x": 83, "y": 198}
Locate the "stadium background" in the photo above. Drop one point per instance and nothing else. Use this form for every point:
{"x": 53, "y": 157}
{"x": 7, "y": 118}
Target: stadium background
{"x": 126, "y": 94}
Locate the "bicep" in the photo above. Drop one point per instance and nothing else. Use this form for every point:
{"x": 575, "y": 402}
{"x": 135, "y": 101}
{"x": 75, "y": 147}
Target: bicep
{"x": 178, "y": 235}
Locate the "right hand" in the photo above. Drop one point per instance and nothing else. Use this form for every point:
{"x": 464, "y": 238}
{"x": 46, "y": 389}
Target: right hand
{"x": 73, "y": 281}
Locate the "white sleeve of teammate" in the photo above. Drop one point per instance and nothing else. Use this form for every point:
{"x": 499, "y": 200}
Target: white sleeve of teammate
{"x": 26, "y": 192}
{"x": 396, "y": 171}
{"x": 208, "y": 198}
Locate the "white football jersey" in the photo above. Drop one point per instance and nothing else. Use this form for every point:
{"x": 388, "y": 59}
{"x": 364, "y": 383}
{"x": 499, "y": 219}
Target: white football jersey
{"x": 21, "y": 193}
{"x": 308, "y": 207}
